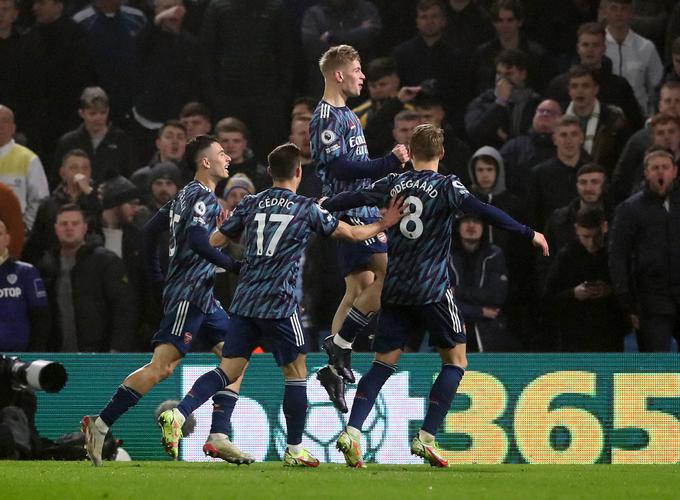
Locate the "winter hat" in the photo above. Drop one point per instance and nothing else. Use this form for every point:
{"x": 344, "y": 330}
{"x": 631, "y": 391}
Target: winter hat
{"x": 166, "y": 170}
{"x": 241, "y": 181}
{"x": 117, "y": 191}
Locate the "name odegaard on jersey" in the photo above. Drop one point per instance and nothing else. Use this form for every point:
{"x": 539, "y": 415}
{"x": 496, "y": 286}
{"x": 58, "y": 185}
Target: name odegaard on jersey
{"x": 276, "y": 202}
{"x": 422, "y": 185}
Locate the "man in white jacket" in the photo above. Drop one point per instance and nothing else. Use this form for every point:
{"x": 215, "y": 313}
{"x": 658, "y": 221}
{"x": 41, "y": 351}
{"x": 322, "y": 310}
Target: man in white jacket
{"x": 21, "y": 169}
{"x": 633, "y": 57}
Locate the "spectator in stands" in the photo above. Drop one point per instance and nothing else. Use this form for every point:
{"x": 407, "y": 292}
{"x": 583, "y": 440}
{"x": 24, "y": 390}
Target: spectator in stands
{"x": 552, "y": 183}
{"x": 430, "y": 108}
{"x": 402, "y": 129}
{"x": 10, "y": 213}
{"x": 303, "y": 106}
{"x": 480, "y": 280}
{"x": 247, "y": 66}
{"x": 21, "y": 169}
{"x": 430, "y": 56}
{"x": 524, "y": 152}
{"x": 614, "y": 89}
{"x": 169, "y": 62}
{"x": 635, "y": 58}
{"x": 585, "y": 314}
{"x": 110, "y": 149}
{"x": 170, "y": 146}
{"x": 165, "y": 180}
{"x": 24, "y": 309}
{"x": 663, "y": 131}
{"x": 334, "y": 22}
{"x": 604, "y": 126}
{"x": 507, "y": 17}
{"x": 672, "y": 69}
{"x": 310, "y": 184}
{"x": 644, "y": 255}
{"x": 468, "y": 26}
{"x": 505, "y": 110}
{"x": 377, "y": 113}
{"x": 67, "y": 70}
{"x": 112, "y": 31}
{"x": 196, "y": 119}
{"x": 75, "y": 187}
{"x": 91, "y": 301}
{"x": 233, "y": 135}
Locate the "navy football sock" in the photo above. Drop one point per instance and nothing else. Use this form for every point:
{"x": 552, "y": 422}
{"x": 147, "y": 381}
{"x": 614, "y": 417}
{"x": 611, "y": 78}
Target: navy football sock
{"x": 223, "y": 406}
{"x": 205, "y": 386}
{"x": 295, "y": 409}
{"x": 367, "y": 391}
{"x": 353, "y": 324}
{"x": 123, "y": 399}
{"x": 441, "y": 395}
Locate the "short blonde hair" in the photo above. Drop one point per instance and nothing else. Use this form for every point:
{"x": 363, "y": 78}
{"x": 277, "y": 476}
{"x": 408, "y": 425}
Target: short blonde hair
{"x": 426, "y": 142}
{"x": 336, "y": 57}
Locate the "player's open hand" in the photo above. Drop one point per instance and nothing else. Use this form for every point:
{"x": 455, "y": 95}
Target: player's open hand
{"x": 540, "y": 242}
{"x": 401, "y": 152}
{"x": 394, "y": 212}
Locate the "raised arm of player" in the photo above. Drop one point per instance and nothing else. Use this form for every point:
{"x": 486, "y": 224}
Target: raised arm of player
{"x": 393, "y": 214}
{"x": 152, "y": 229}
{"x": 346, "y": 170}
{"x": 199, "y": 241}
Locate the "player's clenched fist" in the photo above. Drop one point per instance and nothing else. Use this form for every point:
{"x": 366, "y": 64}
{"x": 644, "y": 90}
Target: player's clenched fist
{"x": 401, "y": 152}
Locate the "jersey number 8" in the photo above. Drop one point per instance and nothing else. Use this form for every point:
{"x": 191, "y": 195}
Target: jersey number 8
{"x": 411, "y": 225}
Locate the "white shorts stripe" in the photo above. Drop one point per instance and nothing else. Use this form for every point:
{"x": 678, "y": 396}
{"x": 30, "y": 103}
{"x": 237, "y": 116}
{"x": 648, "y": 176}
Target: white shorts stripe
{"x": 297, "y": 329}
{"x": 180, "y": 318}
{"x": 453, "y": 311}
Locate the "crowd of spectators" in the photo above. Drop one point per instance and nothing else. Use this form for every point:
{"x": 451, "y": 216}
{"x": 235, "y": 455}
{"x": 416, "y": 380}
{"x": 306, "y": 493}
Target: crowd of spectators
{"x": 566, "y": 117}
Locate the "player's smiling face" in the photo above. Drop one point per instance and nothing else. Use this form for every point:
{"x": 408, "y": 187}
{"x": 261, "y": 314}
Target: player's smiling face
{"x": 219, "y": 160}
{"x": 352, "y": 79}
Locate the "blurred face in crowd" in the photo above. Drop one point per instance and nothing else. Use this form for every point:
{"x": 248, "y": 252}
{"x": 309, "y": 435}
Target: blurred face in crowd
{"x": 171, "y": 144}
{"x": 568, "y": 139}
{"x": 384, "y": 87}
{"x": 70, "y": 229}
{"x": 470, "y": 230}
{"x": 666, "y": 135}
{"x": 546, "y": 116}
{"x": 127, "y": 212}
{"x": 485, "y": 174}
{"x": 300, "y": 109}
{"x": 589, "y": 187}
{"x": 583, "y": 91}
{"x": 299, "y": 135}
{"x": 592, "y": 239}
{"x": 234, "y": 197}
{"x": 163, "y": 190}
{"x": 234, "y": 144}
{"x": 660, "y": 172}
{"x": 8, "y": 14}
{"x": 676, "y": 63}
{"x": 7, "y": 125}
{"x": 74, "y": 165}
{"x": 196, "y": 125}
{"x": 95, "y": 119}
{"x": 591, "y": 49}
{"x": 669, "y": 101}
{"x": 618, "y": 15}
{"x": 47, "y": 11}
{"x": 4, "y": 239}
{"x": 434, "y": 115}
{"x": 108, "y": 6}
{"x": 507, "y": 25}
{"x": 351, "y": 78}
{"x": 513, "y": 74}
{"x": 431, "y": 22}
{"x": 403, "y": 130}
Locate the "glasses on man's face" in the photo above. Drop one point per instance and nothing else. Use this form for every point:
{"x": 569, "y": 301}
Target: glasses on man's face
{"x": 545, "y": 112}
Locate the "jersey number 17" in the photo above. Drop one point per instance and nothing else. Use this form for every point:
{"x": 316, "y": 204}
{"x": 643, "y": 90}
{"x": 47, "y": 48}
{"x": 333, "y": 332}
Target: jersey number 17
{"x": 261, "y": 218}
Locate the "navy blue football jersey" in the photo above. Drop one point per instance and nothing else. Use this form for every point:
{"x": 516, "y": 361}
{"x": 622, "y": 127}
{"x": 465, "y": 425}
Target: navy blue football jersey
{"x": 419, "y": 246}
{"x": 337, "y": 133}
{"x": 190, "y": 277}
{"x": 276, "y": 225}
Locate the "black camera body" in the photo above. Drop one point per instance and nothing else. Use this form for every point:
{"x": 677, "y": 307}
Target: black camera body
{"x": 39, "y": 375}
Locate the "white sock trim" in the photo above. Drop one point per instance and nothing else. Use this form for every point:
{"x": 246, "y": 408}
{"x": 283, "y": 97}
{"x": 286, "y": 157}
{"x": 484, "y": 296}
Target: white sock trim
{"x": 295, "y": 449}
{"x": 353, "y": 431}
{"x": 340, "y": 342}
{"x": 101, "y": 426}
{"x": 425, "y": 437}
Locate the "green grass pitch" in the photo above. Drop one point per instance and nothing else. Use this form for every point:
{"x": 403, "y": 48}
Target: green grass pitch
{"x": 184, "y": 481}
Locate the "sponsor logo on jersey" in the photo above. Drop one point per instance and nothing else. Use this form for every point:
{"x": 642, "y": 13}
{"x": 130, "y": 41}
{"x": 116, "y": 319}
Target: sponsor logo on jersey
{"x": 11, "y": 278}
{"x": 328, "y": 137}
{"x": 10, "y": 292}
{"x": 200, "y": 208}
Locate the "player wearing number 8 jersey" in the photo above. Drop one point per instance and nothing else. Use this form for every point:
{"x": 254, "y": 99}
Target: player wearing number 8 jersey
{"x": 417, "y": 289}
{"x": 276, "y": 225}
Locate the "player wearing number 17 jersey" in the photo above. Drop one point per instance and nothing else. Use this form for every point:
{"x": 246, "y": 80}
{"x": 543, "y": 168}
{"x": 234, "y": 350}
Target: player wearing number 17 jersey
{"x": 276, "y": 225}
{"x": 340, "y": 153}
{"x": 417, "y": 289}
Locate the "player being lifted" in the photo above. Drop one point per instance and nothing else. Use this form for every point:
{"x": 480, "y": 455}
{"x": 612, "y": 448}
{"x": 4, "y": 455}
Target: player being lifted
{"x": 277, "y": 225}
{"x": 339, "y": 150}
{"x": 417, "y": 290}
{"x": 189, "y": 307}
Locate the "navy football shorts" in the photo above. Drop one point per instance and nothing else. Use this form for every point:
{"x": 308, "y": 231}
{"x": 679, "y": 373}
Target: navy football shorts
{"x": 354, "y": 257}
{"x": 442, "y": 320}
{"x": 186, "y": 322}
{"x": 283, "y": 337}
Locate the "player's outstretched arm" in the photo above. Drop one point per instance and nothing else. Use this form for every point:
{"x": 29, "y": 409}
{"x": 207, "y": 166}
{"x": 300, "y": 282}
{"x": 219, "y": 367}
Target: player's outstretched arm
{"x": 150, "y": 233}
{"x": 539, "y": 241}
{"x": 348, "y": 170}
{"x": 199, "y": 242}
{"x": 392, "y": 215}
{"x": 219, "y": 240}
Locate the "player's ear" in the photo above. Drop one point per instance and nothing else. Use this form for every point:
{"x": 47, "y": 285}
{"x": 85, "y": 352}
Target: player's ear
{"x": 269, "y": 171}
{"x": 339, "y": 77}
{"x": 441, "y": 153}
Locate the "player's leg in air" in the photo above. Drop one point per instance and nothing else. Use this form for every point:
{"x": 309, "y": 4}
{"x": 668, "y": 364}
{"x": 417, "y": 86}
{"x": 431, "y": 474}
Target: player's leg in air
{"x": 362, "y": 294}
